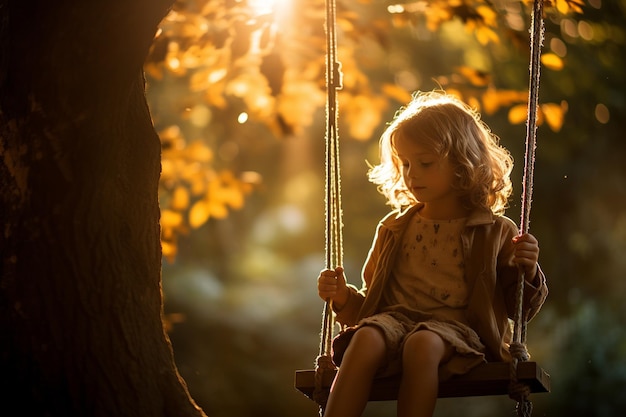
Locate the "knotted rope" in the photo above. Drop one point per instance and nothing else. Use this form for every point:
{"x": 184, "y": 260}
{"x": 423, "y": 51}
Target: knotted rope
{"x": 518, "y": 391}
{"x": 333, "y": 212}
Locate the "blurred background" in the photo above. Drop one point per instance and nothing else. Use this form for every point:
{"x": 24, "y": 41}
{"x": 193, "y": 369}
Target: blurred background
{"x": 237, "y": 93}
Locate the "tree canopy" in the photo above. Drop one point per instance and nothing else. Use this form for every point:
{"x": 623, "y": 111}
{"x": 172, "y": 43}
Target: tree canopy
{"x": 263, "y": 63}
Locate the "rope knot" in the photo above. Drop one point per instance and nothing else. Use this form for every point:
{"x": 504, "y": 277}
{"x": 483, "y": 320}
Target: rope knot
{"x": 323, "y": 363}
{"x": 519, "y": 351}
{"x": 519, "y": 391}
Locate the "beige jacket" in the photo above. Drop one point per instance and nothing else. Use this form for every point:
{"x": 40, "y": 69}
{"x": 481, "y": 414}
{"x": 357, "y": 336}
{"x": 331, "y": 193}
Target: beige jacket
{"x": 489, "y": 269}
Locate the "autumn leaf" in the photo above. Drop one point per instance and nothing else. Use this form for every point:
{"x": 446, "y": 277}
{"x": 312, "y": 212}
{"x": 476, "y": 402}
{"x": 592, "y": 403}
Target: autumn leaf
{"x": 554, "y": 115}
{"x": 566, "y": 6}
{"x": 362, "y": 114}
{"x": 169, "y": 250}
{"x": 180, "y": 198}
{"x": 214, "y": 96}
{"x": 491, "y": 103}
{"x": 552, "y": 61}
{"x": 397, "y": 93}
{"x": 298, "y": 101}
{"x": 488, "y": 14}
{"x": 217, "y": 210}
{"x": 475, "y": 77}
{"x": 454, "y": 92}
{"x": 199, "y": 213}
{"x": 484, "y": 35}
{"x": 198, "y": 151}
{"x": 494, "y": 99}
{"x": 227, "y": 189}
{"x": 170, "y": 219}
{"x": 518, "y": 114}
{"x": 436, "y": 15}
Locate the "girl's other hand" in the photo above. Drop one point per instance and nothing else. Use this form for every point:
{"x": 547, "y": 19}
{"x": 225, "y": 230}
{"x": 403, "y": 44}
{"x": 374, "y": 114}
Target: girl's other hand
{"x": 331, "y": 284}
{"x": 526, "y": 254}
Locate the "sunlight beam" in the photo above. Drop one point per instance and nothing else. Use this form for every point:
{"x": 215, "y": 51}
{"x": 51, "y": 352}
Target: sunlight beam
{"x": 265, "y": 7}
{"x": 262, "y": 7}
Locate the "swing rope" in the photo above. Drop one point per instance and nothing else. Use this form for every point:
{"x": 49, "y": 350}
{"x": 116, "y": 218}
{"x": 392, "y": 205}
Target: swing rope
{"x": 333, "y": 211}
{"x": 517, "y": 391}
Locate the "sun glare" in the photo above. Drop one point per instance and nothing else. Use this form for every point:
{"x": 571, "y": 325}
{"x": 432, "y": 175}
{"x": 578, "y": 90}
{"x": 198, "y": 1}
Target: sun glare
{"x": 264, "y": 7}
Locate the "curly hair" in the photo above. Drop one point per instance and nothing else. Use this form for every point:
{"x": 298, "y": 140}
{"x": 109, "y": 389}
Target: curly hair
{"x": 450, "y": 128}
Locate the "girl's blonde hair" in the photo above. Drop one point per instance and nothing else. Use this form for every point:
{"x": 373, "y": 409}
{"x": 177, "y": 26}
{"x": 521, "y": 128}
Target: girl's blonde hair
{"x": 449, "y": 128}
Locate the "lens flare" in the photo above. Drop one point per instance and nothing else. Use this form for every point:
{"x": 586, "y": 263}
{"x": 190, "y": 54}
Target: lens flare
{"x": 263, "y": 7}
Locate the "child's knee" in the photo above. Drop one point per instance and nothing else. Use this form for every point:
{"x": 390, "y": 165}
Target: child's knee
{"x": 369, "y": 341}
{"x": 370, "y": 336}
{"x": 425, "y": 345}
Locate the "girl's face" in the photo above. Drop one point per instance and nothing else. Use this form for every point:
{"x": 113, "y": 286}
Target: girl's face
{"x": 428, "y": 176}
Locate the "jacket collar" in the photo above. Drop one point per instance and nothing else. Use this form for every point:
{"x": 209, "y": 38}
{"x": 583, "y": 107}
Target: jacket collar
{"x": 397, "y": 219}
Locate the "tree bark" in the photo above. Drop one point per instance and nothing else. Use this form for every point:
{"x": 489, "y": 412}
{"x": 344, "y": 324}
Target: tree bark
{"x": 80, "y": 259}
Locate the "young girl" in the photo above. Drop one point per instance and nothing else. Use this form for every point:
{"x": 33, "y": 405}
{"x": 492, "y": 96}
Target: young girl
{"x": 439, "y": 281}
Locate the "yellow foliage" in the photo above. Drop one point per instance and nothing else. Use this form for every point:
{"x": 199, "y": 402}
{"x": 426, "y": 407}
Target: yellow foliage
{"x": 206, "y": 78}
{"x": 395, "y": 92}
{"x": 488, "y": 14}
{"x": 454, "y": 92}
{"x": 493, "y": 100}
{"x": 475, "y": 77}
{"x": 223, "y": 191}
{"x": 554, "y": 115}
{"x": 552, "y": 61}
{"x": 518, "y": 114}
{"x": 170, "y": 219}
{"x": 566, "y": 6}
{"x": 436, "y": 14}
{"x": 473, "y": 102}
{"x": 198, "y": 151}
{"x": 221, "y": 54}
{"x": 191, "y": 191}
{"x": 180, "y": 198}
{"x": 362, "y": 114}
{"x": 199, "y": 213}
{"x": 298, "y": 101}
{"x": 214, "y": 96}
{"x": 484, "y": 35}
{"x": 491, "y": 103}
{"x": 226, "y": 189}
{"x": 551, "y": 113}
{"x": 171, "y": 137}
{"x": 169, "y": 250}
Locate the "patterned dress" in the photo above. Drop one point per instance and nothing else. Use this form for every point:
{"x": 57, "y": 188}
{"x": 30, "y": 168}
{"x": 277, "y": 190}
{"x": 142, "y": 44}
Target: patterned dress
{"x": 428, "y": 290}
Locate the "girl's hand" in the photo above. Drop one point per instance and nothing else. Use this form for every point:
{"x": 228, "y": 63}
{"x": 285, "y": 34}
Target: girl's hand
{"x": 332, "y": 285}
{"x": 526, "y": 254}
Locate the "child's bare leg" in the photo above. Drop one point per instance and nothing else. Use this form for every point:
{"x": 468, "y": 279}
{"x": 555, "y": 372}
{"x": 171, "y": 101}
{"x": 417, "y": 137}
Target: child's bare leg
{"x": 350, "y": 390}
{"x": 423, "y": 352}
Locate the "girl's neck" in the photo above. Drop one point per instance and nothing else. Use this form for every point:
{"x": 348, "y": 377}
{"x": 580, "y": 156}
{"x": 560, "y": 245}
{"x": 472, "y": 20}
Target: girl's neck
{"x": 448, "y": 212}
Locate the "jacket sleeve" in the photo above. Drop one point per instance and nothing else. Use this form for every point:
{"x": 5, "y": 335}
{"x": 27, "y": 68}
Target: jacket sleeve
{"x": 535, "y": 294}
{"x": 348, "y": 315}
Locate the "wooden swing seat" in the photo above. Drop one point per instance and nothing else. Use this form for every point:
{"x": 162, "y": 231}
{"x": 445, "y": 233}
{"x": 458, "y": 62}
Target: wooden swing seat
{"x": 486, "y": 379}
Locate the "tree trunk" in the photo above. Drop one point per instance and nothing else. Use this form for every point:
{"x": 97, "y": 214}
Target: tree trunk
{"x": 80, "y": 259}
